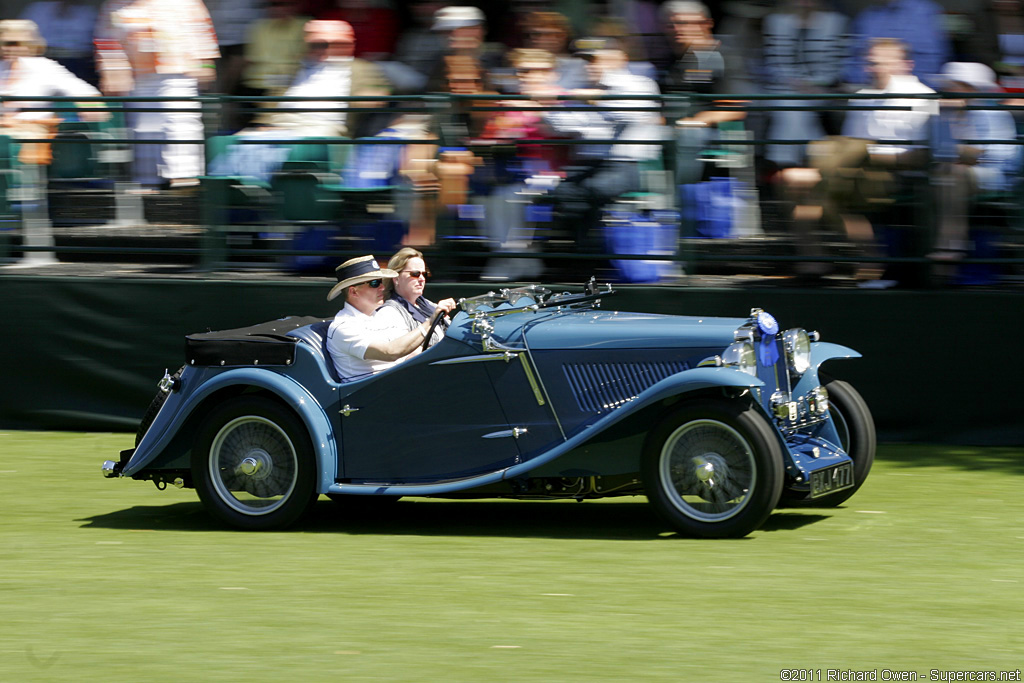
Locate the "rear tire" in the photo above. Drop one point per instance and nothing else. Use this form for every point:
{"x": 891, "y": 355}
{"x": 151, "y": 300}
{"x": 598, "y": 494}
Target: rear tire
{"x": 713, "y": 469}
{"x": 253, "y": 465}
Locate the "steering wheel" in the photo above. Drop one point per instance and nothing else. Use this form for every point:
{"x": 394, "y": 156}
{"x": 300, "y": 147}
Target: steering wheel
{"x": 435, "y": 322}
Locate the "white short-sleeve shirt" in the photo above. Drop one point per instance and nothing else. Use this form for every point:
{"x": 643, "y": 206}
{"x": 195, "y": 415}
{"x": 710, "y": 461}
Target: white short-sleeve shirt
{"x": 348, "y": 337}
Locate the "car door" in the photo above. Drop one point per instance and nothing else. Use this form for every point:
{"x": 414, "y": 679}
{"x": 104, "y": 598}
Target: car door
{"x": 434, "y": 417}
{"x": 520, "y": 391}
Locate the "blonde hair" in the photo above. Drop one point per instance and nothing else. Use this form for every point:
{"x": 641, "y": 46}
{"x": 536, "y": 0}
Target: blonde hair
{"x": 894, "y": 43}
{"x": 397, "y": 263}
{"x": 35, "y": 41}
{"x": 525, "y": 55}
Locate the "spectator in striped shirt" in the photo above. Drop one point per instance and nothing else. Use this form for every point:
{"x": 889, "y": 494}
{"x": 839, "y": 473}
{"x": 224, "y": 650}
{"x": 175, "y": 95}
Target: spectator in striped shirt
{"x": 159, "y": 48}
{"x": 804, "y": 49}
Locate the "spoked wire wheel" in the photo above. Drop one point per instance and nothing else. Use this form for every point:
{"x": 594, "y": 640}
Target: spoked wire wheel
{"x": 713, "y": 468}
{"x": 253, "y": 465}
{"x": 708, "y": 470}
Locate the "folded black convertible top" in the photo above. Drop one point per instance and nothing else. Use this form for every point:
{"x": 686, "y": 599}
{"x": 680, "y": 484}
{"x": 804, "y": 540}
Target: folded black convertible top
{"x": 262, "y": 344}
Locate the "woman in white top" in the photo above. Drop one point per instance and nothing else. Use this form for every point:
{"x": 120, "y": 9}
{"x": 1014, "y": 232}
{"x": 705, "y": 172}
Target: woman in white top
{"x": 23, "y": 73}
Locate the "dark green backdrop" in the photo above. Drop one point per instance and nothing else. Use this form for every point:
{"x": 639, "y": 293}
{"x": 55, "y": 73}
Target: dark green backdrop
{"x": 86, "y": 353}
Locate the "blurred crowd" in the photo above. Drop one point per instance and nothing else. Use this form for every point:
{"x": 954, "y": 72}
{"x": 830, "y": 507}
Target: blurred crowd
{"x": 600, "y": 127}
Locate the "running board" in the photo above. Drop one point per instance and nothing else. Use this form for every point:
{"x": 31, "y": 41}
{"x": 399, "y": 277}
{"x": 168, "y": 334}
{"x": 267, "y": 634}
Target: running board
{"x": 418, "y": 489}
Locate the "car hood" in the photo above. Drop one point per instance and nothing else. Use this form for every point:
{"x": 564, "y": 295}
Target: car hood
{"x": 616, "y": 330}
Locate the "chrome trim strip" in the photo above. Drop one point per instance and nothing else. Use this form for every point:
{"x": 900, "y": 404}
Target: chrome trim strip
{"x": 540, "y": 381}
{"x": 531, "y": 379}
{"x": 507, "y": 356}
{"x": 532, "y": 308}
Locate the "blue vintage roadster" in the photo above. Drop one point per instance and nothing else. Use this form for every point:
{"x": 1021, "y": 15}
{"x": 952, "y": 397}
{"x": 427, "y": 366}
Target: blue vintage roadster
{"x": 531, "y": 394}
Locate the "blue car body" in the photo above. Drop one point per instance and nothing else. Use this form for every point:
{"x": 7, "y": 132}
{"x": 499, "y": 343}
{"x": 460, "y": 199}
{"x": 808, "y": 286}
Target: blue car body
{"x": 527, "y": 395}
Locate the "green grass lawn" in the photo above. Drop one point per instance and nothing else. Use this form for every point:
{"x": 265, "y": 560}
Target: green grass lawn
{"x": 113, "y": 580}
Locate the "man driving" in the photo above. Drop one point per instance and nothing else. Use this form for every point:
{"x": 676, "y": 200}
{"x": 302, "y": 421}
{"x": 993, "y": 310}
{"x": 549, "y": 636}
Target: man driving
{"x": 359, "y": 343}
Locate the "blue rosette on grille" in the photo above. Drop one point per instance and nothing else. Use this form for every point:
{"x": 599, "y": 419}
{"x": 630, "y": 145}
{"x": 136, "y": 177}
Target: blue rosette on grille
{"x": 767, "y": 349}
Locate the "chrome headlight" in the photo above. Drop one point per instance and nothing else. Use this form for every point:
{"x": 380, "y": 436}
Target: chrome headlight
{"x": 740, "y": 355}
{"x": 798, "y": 350}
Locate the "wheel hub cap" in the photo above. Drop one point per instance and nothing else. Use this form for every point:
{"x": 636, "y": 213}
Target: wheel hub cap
{"x": 257, "y": 464}
{"x": 710, "y": 469}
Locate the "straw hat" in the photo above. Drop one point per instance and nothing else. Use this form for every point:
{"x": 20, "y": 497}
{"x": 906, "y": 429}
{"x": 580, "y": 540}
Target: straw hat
{"x": 358, "y": 270}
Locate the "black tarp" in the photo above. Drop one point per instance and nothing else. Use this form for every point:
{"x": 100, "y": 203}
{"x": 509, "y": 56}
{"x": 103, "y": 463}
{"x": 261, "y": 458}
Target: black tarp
{"x": 86, "y": 353}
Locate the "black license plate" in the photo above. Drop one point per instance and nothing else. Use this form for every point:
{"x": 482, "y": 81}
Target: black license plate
{"x": 831, "y": 479}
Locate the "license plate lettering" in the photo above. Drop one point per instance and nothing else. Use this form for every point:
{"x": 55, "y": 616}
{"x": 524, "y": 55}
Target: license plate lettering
{"x": 831, "y": 479}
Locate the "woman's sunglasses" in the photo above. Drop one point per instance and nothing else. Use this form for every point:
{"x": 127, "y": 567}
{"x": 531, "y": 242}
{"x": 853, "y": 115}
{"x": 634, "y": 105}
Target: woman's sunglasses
{"x": 414, "y": 274}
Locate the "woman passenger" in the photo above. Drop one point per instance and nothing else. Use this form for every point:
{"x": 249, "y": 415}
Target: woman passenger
{"x": 405, "y": 306}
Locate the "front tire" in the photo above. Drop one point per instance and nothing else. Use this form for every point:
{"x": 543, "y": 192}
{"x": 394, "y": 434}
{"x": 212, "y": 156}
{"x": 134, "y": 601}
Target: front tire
{"x": 856, "y": 429}
{"x": 713, "y": 469}
{"x": 253, "y": 465}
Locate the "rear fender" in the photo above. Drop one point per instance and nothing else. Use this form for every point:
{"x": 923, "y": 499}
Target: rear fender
{"x": 290, "y": 392}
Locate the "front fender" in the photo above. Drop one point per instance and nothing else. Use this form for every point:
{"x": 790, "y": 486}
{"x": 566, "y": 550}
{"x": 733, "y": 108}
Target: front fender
{"x": 821, "y": 352}
{"x": 292, "y": 393}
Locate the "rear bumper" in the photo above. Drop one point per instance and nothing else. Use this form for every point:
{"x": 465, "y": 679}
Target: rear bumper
{"x": 112, "y": 468}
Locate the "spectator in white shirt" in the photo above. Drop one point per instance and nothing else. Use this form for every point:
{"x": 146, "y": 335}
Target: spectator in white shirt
{"x": 328, "y": 69}
{"x": 25, "y": 74}
{"x": 66, "y": 26}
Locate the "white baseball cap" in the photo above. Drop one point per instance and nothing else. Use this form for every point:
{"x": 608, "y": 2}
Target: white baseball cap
{"x": 449, "y": 18}
{"x": 978, "y": 76}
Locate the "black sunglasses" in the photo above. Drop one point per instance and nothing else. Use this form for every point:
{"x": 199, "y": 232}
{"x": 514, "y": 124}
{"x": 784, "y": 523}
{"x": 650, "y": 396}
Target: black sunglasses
{"x": 374, "y": 284}
{"x": 416, "y": 273}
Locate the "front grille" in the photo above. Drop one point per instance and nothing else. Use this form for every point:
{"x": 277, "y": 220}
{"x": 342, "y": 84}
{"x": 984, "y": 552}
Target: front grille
{"x": 601, "y": 387}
